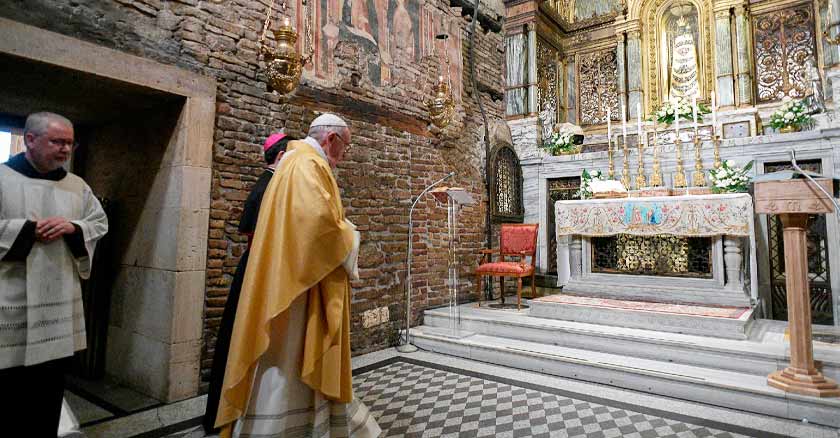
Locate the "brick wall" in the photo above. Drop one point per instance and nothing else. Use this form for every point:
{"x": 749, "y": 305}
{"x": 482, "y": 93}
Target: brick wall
{"x": 395, "y": 154}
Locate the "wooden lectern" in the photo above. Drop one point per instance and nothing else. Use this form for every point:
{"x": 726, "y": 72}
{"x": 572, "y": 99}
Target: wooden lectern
{"x": 792, "y": 197}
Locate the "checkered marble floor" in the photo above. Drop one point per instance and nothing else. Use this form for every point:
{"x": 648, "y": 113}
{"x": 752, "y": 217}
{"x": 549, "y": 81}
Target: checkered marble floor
{"x": 413, "y": 400}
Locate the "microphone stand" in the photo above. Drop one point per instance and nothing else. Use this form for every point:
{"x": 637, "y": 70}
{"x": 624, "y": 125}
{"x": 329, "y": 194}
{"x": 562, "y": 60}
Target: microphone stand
{"x": 408, "y": 347}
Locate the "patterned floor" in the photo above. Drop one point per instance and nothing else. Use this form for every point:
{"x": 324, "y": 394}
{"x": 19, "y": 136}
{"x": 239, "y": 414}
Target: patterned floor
{"x": 413, "y": 400}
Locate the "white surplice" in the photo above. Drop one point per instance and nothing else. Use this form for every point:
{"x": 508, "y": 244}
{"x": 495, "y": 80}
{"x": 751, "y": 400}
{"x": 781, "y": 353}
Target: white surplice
{"x": 41, "y": 315}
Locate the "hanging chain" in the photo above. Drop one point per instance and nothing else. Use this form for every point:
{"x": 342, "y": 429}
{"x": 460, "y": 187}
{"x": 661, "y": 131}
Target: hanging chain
{"x": 265, "y": 30}
{"x": 448, "y": 64}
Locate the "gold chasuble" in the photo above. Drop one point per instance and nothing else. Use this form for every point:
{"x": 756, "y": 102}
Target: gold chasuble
{"x": 301, "y": 241}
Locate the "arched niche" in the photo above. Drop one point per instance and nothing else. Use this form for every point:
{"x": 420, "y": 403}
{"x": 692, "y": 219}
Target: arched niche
{"x": 655, "y": 16}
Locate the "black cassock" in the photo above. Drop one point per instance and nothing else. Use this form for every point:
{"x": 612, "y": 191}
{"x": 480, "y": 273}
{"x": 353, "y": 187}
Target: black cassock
{"x": 247, "y": 225}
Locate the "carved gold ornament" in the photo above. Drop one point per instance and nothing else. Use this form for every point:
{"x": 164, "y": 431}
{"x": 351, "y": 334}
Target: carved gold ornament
{"x": 784, "y": 44}
{"x": 598, "y": 86}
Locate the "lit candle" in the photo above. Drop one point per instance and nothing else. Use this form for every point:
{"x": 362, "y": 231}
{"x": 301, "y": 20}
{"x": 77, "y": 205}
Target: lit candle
{"x": 639, "y": 123}
{"x": 694, "y": 111}
{"x": 714, "y": 113}
{"x": 676, "y": 117}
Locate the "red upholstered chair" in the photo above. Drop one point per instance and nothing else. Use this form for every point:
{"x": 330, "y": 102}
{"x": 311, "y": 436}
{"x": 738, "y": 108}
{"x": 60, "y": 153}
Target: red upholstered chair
{"x": 517, "y": 240}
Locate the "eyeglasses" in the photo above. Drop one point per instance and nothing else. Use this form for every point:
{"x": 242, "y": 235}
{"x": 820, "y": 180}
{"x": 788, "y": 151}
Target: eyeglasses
{"x": 347, "y": 144}
{"x": 63, "y": 143}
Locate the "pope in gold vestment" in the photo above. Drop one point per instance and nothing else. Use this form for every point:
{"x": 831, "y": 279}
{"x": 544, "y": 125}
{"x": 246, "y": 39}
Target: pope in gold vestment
{"x": 288, "y": 370}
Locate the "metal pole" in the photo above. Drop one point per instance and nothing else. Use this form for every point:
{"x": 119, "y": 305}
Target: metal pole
{"x": 408, "y": 347}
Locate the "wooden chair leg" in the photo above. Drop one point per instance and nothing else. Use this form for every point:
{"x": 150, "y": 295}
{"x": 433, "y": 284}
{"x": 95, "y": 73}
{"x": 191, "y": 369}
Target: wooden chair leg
{"x": 533, "y": 287}
{"x": 502, "y": 289}
{"x": 478, "y": 283}
{"x": 519, "y": 293}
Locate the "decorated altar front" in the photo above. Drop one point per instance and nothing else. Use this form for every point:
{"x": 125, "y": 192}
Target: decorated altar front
{"x": 727, "y": 219}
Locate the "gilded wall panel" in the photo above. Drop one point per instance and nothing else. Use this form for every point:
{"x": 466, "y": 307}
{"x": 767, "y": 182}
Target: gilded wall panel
{"x": 598, "y": 86}
{"x": 784, "y": 45}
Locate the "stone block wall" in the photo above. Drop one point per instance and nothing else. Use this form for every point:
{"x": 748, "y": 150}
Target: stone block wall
{"x": 396, "y": 154}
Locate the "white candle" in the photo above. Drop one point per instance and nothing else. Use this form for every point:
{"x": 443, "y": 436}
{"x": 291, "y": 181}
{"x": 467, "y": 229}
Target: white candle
{"x": 694, "y": 111}
{"x": 624, "y": 122}
{"x": 714, "y": 113}
{"x": 609, "y": 125}
{"x": 639, "y": 123}
{"x": 676, "y": 118}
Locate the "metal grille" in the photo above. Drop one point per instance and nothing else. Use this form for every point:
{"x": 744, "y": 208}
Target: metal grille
{"x": 559, "y": 189}
{"x": 818, "y": 267}
{"x": 784, "y": 45}
{"x": 507, "y": 186}
{"x": 661, "y": 255}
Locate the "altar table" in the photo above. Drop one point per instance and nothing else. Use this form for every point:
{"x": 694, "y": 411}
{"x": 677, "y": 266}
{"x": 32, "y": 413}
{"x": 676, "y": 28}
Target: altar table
{"x": 686, "y": 216}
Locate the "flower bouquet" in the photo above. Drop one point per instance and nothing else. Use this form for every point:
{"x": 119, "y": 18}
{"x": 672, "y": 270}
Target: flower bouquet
{"x": 790, "y": 117}
{"x": 670, "y": 110}
{"x": 562, "y": 143}
{"x": 729, "y": 178}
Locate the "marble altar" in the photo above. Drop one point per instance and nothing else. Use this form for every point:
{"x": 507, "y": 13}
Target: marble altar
{"x": 821, "y": 146}
{"x": 728, "y": 217}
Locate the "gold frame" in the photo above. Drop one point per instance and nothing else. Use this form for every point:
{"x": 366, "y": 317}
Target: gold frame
{"x": 652, "y": 12}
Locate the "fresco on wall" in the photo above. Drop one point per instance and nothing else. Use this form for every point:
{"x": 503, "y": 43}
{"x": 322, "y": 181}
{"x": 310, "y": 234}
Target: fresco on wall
{"x": 586, "y": 9}
{"x": 394, "y": 33}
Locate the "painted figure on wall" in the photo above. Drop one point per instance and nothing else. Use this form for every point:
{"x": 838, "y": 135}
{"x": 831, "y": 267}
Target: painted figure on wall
{"x": 402, "y": 35}
{"x": 394, "y": 33}
{"x": 679, "y": 51}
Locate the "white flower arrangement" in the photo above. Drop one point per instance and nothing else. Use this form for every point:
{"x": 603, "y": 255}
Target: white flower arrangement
{"x": 561, "y": 142}
{"x": 670, "y": 110}
{"x": 586, "y": 178}
{"x": 790, "y": 114}
{"x": 729, "y": 178}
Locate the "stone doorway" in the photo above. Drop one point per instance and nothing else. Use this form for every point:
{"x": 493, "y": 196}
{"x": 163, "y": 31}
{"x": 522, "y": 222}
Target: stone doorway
{"x": 145, "y": 133}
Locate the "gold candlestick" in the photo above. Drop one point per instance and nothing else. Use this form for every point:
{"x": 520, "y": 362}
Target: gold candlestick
{"x": 625, "y": 171}
{"x": 679, "y": 176}
{"x": 641, "y": 181}
{"x": 699, "y": 177}
{"x": 611, "y": 168}
{"x": 716, "y": 143}
{"x": 656, "y": 177}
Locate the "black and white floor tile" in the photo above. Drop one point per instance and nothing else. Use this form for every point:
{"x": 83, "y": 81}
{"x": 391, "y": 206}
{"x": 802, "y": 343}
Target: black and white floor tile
{"x": 419, "y": 400}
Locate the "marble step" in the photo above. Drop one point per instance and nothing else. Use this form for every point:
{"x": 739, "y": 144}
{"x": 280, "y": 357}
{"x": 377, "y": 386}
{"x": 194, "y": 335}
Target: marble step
{"x": 746, "y": 392}
{"x": 766, "y": 352}
{"x": 731, "y": 328}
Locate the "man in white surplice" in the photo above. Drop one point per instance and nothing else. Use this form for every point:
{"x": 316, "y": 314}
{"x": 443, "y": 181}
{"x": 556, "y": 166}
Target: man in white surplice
{"x": 50, "y": 222}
